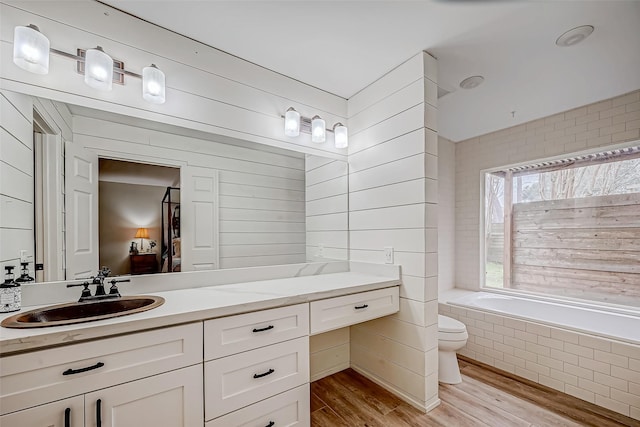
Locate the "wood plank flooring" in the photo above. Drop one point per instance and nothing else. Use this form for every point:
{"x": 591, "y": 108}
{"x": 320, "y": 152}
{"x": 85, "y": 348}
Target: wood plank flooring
{"x": 484, "y": 398}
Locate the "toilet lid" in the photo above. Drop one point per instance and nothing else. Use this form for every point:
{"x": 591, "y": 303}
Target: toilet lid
{"x": 447, "y": 324}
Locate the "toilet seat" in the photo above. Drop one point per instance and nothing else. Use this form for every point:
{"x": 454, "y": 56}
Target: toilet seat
{"x": 447, "y": 324}
{"x": 451, "y": 329}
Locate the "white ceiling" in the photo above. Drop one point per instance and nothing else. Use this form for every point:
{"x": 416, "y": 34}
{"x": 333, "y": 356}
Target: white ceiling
{"x": 343, "y": 46}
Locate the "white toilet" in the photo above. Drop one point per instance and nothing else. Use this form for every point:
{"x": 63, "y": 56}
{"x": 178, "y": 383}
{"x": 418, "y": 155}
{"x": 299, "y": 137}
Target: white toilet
{"x": 452, "y": 336}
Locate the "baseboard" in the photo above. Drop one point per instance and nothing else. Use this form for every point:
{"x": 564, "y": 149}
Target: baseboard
{"x": 407, "y": 398}
{"x": 332, "y": 370}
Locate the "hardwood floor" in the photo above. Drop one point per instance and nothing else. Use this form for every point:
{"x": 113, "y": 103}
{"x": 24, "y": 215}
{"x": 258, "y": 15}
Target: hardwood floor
{"x": 484, "y": 398}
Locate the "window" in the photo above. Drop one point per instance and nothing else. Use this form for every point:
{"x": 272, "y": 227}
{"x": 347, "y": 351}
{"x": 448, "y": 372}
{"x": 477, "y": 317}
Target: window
{"x": 568, "y": 228}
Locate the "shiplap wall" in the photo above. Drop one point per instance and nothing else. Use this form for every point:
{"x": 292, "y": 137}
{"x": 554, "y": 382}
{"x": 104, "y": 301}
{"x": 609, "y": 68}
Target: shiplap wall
{"x": 16, "y": 178}
{"x": 393, "y": 196}
{"x": 207, "y": 89}
{"x": 58, "y": 119}
{"x": 261, "y": 193}
{"x": 327, "y": 208}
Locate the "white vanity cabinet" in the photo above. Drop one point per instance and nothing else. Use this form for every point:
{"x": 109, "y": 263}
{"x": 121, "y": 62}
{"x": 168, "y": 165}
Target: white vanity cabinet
{"x": 130, "y": 375}
{"x": 256, "y": 356}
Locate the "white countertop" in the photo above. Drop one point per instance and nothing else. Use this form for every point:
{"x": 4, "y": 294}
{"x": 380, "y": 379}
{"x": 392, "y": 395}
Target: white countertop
{"x": 196, "y": 304}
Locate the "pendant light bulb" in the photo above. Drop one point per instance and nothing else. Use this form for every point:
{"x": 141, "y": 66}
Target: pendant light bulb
{"x": 318, "y": 130}
{"x": 98, "y": 69}
{"x": 153, "y": 87}
{"x": 31, "y": 49}
{"x": 341, "y": 135}
{"x": 291, "y": 122}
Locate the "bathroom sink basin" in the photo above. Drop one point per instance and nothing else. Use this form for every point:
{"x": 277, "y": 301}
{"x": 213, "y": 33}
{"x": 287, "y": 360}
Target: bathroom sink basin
{"x": 78, "y": 312}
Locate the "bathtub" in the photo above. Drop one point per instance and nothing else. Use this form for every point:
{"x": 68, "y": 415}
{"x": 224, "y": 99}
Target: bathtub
{"x": 578, "y": 349}
{"x": 616, "y": 325}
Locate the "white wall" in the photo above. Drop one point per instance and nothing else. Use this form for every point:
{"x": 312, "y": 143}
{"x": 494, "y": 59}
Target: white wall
{"x": 207, "y": 89}
{"x": 261, "y": 193}
{"x": 446, "y": 214}
{"x": 612, "y": 121}
{"x": 393, "y": 201}
{"x": 16, "y": 179}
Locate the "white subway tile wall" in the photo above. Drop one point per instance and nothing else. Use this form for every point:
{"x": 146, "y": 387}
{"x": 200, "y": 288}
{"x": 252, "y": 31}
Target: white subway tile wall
{"x": 612, "y": 121}
{"x": 598, "y": 370}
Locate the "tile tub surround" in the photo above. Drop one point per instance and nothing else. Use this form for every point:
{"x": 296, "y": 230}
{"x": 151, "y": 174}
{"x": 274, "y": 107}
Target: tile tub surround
{"x": 601, "y": 371}
{"x": 609, "y": 122}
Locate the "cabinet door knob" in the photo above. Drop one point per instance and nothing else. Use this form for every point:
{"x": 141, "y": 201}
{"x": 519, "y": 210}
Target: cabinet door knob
{"x": 67, "y": 417}
{"x": 264, "y": 374}
{"x": 88, "y": 368}
{"x": 266, "y": 328}
{"x": 99, "y": 413}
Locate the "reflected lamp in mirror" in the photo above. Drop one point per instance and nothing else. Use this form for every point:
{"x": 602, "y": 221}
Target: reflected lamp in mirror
{"x": 141, "y": 233}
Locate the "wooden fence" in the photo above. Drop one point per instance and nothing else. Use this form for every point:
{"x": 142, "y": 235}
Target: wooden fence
{"x": 584, "y": 248}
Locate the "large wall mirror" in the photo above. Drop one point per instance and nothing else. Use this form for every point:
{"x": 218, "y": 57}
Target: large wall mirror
{"x": 142, "y": 197}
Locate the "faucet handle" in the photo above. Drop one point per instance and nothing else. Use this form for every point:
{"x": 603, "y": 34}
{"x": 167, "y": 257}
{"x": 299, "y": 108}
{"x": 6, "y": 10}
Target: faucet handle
{"x": 114, "y": 289}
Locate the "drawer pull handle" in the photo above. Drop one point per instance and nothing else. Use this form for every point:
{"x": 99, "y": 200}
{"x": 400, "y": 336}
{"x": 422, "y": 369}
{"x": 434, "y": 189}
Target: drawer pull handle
{"x": 67, "y": 417}
{"x": 360, "y": 307}
{"x": 263, "y": 329}
{"x": 269, "y": 372}
{"x": 88, "y": 368}
{"x": 99, "y": 413}
{"x": 271, "y": 424}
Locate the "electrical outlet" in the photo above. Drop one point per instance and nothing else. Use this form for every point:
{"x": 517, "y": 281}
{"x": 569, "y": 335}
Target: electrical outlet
{"x": 23, "y": 255}
{"x": 388, "y": 255}
{"x": 320, "y": 251}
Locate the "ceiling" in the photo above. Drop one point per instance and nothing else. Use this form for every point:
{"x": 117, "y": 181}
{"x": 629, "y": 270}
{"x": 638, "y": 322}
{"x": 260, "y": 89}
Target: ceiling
{"x": 343, "y": 46}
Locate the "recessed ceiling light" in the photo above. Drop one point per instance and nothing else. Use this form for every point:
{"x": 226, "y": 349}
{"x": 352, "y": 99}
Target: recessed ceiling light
{"x": 471, "y": 82}
{"x": 574, "y": 36}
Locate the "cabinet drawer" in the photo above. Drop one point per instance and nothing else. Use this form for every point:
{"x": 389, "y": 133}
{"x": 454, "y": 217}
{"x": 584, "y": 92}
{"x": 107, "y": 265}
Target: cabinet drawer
{"x": 236, "y": 381}
{"x": 334, "y": 313}
{"x": 290, "y": 408}
{"x": 234, "y": 334}
{"x": 42, "y": 376}
{"x": 50, "y": 415}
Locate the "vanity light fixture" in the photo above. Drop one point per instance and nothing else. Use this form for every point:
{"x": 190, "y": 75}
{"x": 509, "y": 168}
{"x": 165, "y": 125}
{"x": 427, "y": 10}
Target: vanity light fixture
{"x": 294, "y": 123}
{"x": 318, "y": 130}
{"x": 153, "y": 89}
{"x": 341, "y": 135}
{"x": 31, "y": 51}
{"x": 98, "y": 69}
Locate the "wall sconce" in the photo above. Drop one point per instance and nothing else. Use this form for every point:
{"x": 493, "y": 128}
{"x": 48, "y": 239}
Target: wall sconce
{"x": 294, "y": 123}
{"x": 31, "y": 51}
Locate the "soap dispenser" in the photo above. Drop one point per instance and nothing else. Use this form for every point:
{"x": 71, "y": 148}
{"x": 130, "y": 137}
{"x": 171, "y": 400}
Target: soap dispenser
{"x": 10, "y": 292}
{"x": 24, "y": 274}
